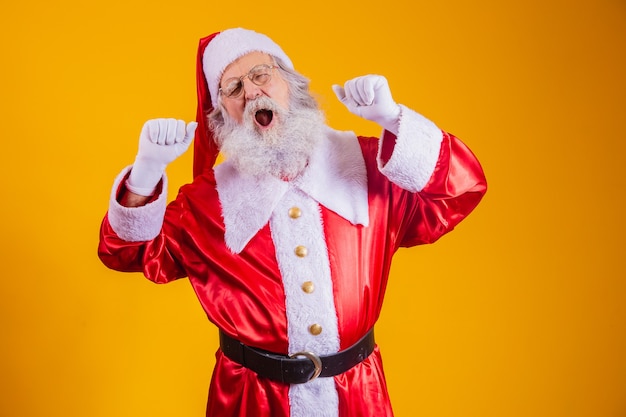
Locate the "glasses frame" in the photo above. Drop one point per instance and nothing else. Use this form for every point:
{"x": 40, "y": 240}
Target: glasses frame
{"x": 271, "y": 68}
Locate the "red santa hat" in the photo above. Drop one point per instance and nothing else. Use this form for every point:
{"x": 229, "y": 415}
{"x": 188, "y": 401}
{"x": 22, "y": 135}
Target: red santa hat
{"x": 215, "y": 53}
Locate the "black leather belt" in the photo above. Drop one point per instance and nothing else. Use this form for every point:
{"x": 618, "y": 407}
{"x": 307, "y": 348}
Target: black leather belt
{"x": 299, "y": 367}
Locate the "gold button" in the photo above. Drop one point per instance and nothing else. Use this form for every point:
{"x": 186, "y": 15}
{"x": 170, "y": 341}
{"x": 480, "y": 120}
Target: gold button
{"x": 315, "y": 329}
{"x": 301, "y": 251}
{"x": 308, "y": 287}
{"x": 295, "y": 212}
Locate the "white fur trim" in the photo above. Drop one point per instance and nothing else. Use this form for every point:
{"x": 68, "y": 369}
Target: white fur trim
{"x": 415, "y": 153}
{"x": 229, "y": 45}
{"x": 336, "y": 178}
{"x": 317, "y": 398}
{"x": 247, "y": 203}
{"x": 136, "y": 224}
{"x": 304, "y": 309}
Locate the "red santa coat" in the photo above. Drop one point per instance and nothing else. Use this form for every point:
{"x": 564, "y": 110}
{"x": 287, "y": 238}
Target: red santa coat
{"x": 268, "y": 258}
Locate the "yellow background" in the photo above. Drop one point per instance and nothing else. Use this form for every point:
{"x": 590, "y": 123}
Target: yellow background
{"x": 519, "y": 312}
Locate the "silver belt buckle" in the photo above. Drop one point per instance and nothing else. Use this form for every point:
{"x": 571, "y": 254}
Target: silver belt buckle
{"x": 317, "y": 362}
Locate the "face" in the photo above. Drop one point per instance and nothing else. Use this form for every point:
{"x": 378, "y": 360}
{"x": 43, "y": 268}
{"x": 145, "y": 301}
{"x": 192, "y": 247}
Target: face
{"x": 276, "y": 88}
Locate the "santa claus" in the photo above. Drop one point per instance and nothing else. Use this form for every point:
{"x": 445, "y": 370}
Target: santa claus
{"x": 287, "y": 243}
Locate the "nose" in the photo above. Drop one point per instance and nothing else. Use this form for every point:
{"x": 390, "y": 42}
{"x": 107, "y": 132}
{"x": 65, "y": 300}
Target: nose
{"x": 251, "y": 90}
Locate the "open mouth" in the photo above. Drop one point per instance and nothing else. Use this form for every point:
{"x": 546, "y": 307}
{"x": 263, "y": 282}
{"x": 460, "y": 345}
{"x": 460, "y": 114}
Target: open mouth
{"x": 264, "y": 117}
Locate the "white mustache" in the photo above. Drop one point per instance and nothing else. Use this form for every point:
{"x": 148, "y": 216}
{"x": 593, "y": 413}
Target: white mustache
{"x": 260, "y": 103}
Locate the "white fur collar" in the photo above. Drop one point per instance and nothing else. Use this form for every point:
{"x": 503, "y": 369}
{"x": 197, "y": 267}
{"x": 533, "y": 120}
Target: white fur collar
{"x": 336, "y": 178}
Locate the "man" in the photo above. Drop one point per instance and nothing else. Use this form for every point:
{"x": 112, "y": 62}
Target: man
{"x": 288, "y": 243}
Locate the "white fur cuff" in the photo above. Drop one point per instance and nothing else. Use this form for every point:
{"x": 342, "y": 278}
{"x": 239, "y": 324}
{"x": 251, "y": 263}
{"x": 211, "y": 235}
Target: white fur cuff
{"x": 136, "y": 224}
{"x": 415, "y": 153}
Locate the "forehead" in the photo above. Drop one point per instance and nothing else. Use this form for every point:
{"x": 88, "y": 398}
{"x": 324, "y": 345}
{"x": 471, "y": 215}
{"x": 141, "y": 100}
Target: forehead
{"x": 243, "y": 64}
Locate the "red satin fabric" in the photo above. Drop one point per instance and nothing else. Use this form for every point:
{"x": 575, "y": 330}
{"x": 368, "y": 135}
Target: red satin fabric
{"x": 242, "y": 294}
{"x": 363, "y": 390}
{"x": 238, "y": 392}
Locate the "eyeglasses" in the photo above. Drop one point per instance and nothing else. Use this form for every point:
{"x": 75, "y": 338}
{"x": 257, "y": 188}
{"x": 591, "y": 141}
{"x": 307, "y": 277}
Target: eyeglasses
{"x": 259, "y": 75}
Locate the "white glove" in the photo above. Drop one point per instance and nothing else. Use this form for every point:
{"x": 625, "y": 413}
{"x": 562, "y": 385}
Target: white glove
{"x": 369, "y": 97}
{"x": 161, "y": 141}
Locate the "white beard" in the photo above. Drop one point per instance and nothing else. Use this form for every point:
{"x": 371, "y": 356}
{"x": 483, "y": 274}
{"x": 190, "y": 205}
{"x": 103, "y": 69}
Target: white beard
{"x": 283, "y": 150}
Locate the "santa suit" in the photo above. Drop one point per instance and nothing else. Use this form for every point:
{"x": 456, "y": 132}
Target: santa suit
{"x": 268, "y": 259}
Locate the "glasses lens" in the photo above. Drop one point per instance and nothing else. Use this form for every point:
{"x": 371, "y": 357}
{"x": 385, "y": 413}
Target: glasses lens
{"x": 232, "y": 87}
{"x": 260, "y": 74}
